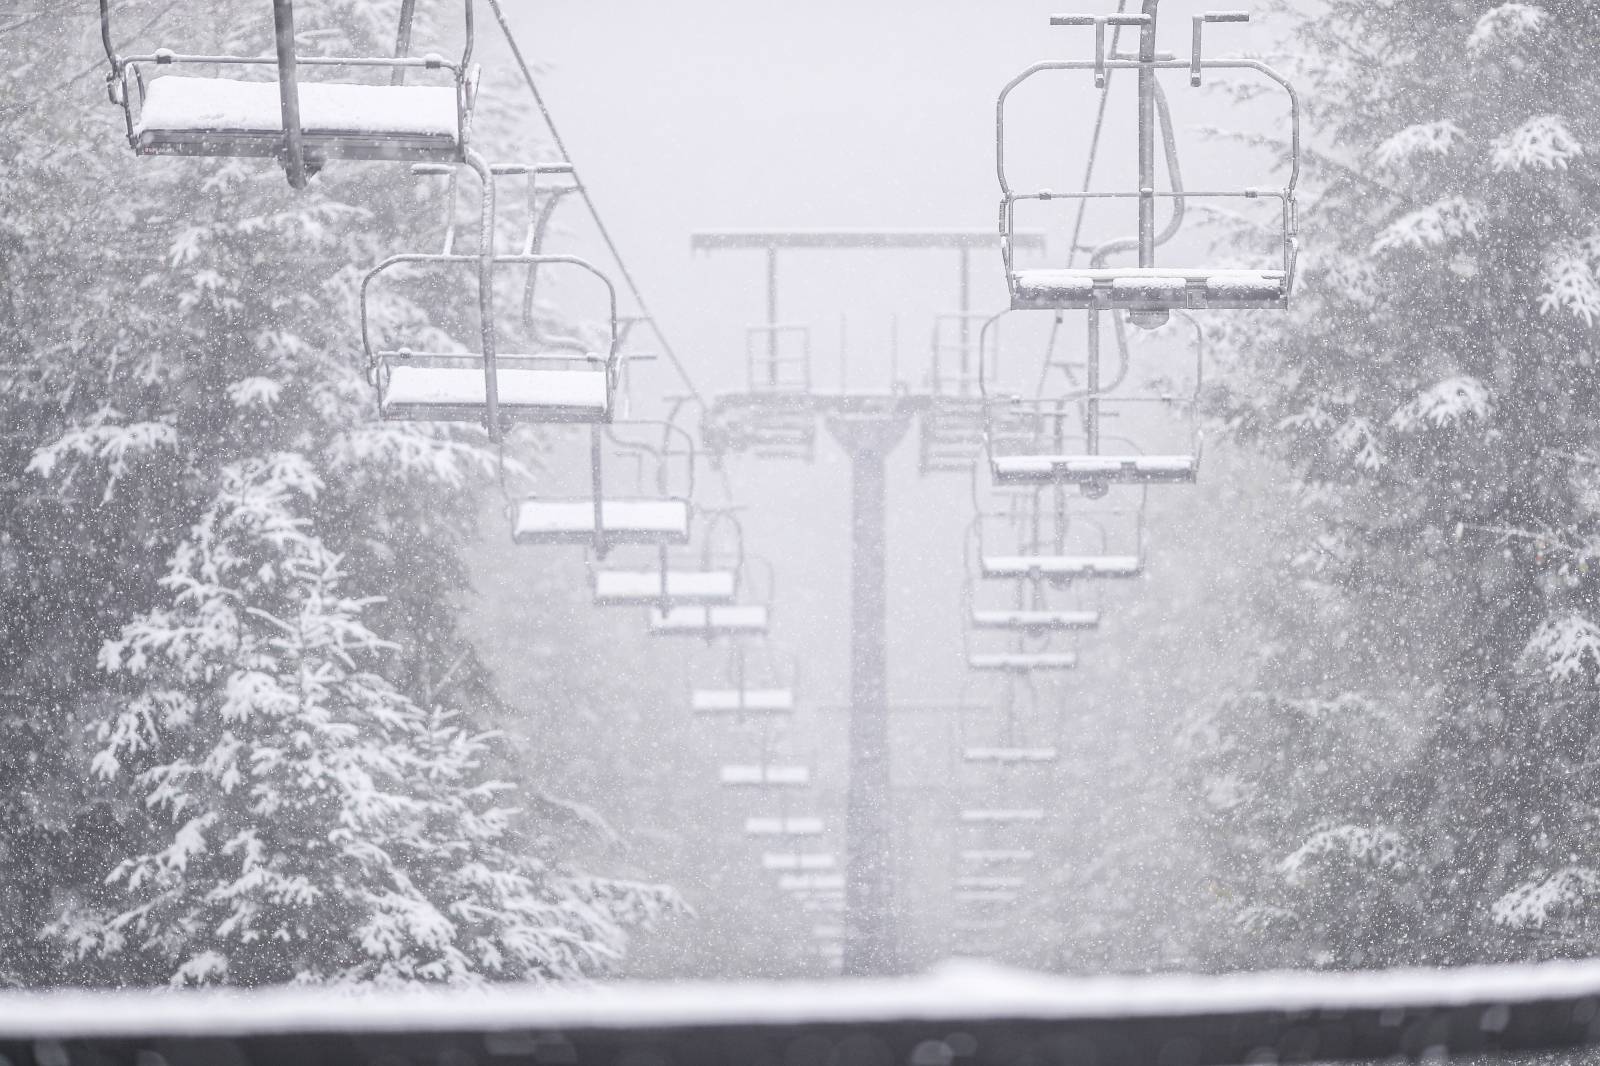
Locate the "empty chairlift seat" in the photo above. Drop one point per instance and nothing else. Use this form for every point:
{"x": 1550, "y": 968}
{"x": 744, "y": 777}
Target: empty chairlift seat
{"x": 995, "y": 856}
{"x": 790, "y": 860}
{"x": 814, "y": 883}
{"x": 1009, "y": 756}
{"x": 628, "y": 588}
{"x": 1023, "y": 662}
{"x": 1083, "y": 469}
{"x": 742, "y": 701}
{"x": 1035, "y": 621}
{"x": 1061, "y": 567}
{"x": 550, "y": 520}
{"x": 792, "y": 827}
{"x": 451, "y": 388}
{"x": 183, "y": 115}
{"x": 982, "y": 881}
{"x": 985, "y": 895}
{"x": 1148, "y": 289}
{"x": 755, "y": 775}
{"x": 1002, "y": 815}
{"x": 735, "y": 620}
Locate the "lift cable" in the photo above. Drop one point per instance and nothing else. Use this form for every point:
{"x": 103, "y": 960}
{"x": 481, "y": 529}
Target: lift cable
{"x": 1083, "y": 205}
{"x": 1094, "y": 143}
{"x": 588, "y": 199}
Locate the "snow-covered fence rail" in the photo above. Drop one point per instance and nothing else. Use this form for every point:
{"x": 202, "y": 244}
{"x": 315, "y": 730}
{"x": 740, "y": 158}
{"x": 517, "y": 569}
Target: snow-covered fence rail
{"x": 961, "y": 1015}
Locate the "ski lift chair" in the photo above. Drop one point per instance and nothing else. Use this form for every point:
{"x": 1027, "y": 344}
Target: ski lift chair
{"x": 1031, "y": 633}
{"x": 652, "y": 514}
{"x": 1030, "y": 612}
{"x": 798, "y": 861}
{"x": 1037, "y": 539}
{"x": 764, "y": 687}
{"x": 1008, "y": 746}
{"x": 764, "y": 775}
{"x": 831, "y": 904}
{"x": 811, "y": 883}
{"x": 734, "y": 621}
{"x": 952, "y": 424}
{"x": 711, "y": 579}
{"x": 1001, "y": 816}
{"x": 547, "y": 378}
{"x": 981, "y": 857}
{"x": 783, "y": 826}
{"x": 1023, "y": 662}
{"x": 301, "y": 123}
{"x": 774, "y": 418}
{"x": 1149, "y": 290}
{"x": 1060, "y": 441}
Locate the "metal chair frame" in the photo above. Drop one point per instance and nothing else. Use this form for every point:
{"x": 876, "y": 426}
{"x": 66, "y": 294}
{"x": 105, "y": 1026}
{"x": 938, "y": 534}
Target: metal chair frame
{"x": 564, "y": 353}
{"x": 1147, "y": 289}
{"x": 1032, "y": 446}
{"x": 708, "y": 561}
{"x": 602, "y": 536}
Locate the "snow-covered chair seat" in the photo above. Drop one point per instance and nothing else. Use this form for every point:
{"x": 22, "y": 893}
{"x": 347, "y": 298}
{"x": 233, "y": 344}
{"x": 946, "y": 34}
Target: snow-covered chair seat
{"x": 765, "y": 775}
{"x": 184, "y": 115}
{"x": 1077, "y": 469}
{"x": 984, "y": 881}
{"x": 1035, "y": 621}
{"x": 546, "y": 520}
{"x": 695, "y": 620}
{"x": 1023, "y": 662}
{"x": 783, "y": 827}
{"x": 830, "y": 904}
{"x": 1001, "y": 815}
{"x": 1009, "y": 755}
{"x": 1061, "y": 566}
{"x": 451, "y": 388}
{"x": 984, "y": 895}
{"x": 628, "y": 588}
{"x": 742, "y": 701}
{"x": 816, "y": 883}
{"x": 1148, "y": 289}
{"x": 798, "y": 860}
{"x": 995, "y": 856}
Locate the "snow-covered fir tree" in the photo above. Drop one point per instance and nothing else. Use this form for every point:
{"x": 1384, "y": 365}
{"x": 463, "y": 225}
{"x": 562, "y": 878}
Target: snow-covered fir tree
{"x": 311, "y": 823}
{"x": 1436, "y": 390}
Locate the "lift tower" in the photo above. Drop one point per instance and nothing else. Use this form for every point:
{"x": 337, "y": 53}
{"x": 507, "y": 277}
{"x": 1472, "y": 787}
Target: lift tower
{"x": 776, "y": 416}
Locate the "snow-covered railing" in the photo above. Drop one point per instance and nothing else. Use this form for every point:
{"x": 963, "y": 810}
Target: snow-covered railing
{"x": 960, "y": 1013}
